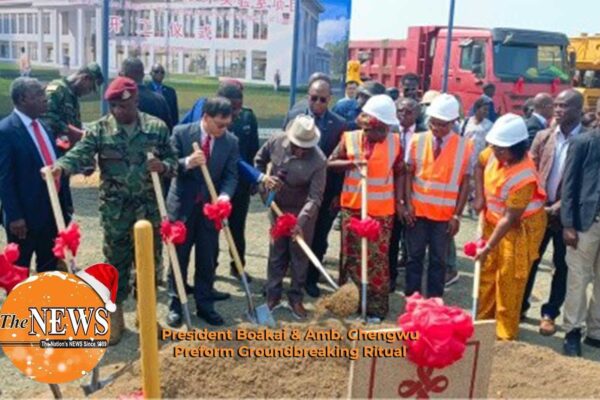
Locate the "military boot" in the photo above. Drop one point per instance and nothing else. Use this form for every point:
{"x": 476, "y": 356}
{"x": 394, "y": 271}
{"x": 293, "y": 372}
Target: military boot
{"x": 117, "y": 326}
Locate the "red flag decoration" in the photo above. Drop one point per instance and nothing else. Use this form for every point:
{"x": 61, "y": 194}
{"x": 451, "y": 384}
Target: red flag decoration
{"x": 520, "y": 85}
{"x": 367, "y": 228}
{"x": 218, "y": 212}
{"x": 10, "y": 274}
{"x": 173, "y": 232}
{"x": 443, "y": 331}
{"x": 471, "y": 248}
{"x": 284, "y": 225}
{"x": 554, "y": 86}
{"x": 68, "y": 238}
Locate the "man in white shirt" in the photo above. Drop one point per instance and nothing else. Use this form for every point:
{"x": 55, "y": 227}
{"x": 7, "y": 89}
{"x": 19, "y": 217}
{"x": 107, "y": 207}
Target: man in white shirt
{"x": 549, "y": 153}
{"x": 27, "y": 145}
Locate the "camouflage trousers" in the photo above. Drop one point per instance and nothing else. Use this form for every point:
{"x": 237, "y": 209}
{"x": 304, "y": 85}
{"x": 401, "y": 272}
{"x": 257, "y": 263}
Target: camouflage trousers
{"x": 118, "y": 220}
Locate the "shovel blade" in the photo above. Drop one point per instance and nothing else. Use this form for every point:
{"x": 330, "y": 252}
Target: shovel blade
{"x": 264, "y": 316}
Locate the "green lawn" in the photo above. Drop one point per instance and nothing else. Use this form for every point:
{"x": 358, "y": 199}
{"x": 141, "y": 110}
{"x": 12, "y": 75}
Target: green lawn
{"x": 269, "y": 106}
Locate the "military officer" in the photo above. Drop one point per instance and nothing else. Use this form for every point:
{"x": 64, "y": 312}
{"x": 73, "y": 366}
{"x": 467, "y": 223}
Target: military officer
{"x": 122, "y": 140}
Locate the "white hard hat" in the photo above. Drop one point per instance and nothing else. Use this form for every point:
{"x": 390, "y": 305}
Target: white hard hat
{"x": 508, "y": 130}
{"x": 383, "y": 108}
{"x": 444, "y": 107}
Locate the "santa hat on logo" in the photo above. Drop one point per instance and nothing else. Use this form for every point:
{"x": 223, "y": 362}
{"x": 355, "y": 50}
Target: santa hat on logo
{"x": 104, "y": 279}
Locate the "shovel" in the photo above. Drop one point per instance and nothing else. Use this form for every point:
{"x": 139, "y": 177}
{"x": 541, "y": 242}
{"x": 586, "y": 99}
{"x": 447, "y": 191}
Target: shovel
{"x": 162, "y": 209}
{"x": 364, "y": 280}
{"x": 477, "y": 272}
{"x": 261, "y": 315}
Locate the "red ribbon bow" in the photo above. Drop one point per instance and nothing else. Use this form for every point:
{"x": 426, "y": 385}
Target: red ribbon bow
{"x": 63, "y": 143}
{"x": 554, "y": 85}
{"x": 367, "y": 228}
{"x": 10, "y": 274}
{"x": 173, "y": 232}
{"x": 426, "y": 383}
{"x": 284, "y": 226}
{"x": 443, "y": 331}
{"x": 520, "y": 85}
{"x": 218, "y": 212}
{"x": 471, "y": 248}
{"x": 68, "y": 238}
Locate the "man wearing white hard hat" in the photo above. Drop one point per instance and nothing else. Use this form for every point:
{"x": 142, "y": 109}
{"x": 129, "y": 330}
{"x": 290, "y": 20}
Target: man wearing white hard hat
{"x": 512, "y": 198}
{"x": 298, "y": 175}
{"x": 377, "y": 147}
{"x": 436, "y": 193}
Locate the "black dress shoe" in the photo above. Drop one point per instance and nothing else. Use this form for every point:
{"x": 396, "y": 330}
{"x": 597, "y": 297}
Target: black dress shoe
{"x": 572, "y": 344}
{"x": 210, "y": 316}
{"x": 189, "y": 289}
{"x": 218, "y": 296}
{"x": 592, "y": 342}
{"x": 312, "y": 290}
{"x": 174, "y": 319}
{"x": 234, "y": 273}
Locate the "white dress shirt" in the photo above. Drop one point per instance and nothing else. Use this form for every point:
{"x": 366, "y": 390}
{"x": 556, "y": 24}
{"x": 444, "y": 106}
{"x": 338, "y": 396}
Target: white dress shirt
{"x": 560, "y": 155}
{"x": 28, "y": 124}
{"x": 405, "y": 138}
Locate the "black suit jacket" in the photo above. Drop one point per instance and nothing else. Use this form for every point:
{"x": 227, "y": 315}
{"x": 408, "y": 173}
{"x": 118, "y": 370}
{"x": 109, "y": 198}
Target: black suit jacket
{"x": 23, "y": 192}
{"x": 189, "y": 184}
{"x": 170, "y": 96}
{"x": 580, "y": 194}
{"x": 154, "y": 104}
{"x": 534, "y": 125}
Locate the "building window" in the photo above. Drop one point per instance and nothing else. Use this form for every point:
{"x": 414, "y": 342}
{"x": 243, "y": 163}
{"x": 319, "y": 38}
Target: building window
{"x": 46, "y": 23}
{"x": 16, "y": 49}
{"x": 35, "y": 24}
{"x": 3, "y": 49}
{"x": 159, "y": 23}
{"x": 21, "y": 23}
{"x": 240, "y": 23}
{"x": 196, "y": 62}
{"x": 65, "y": 23}
{"x": 173, "y": 61}
{"x": 230, "y": 63}
{"x": 223, "y": 23}
{"x": 6, "y": 23}
{"x": 32, "y": 50}
{"x": 13, "y": 23}
{"x": 48, "y": 53}
{"x": 29, "y": 27}
{"x": 189, "y": 25}
{"x": 260, "y": 27}
{"x": 204, "y": 29}
{"x": 259, "y": 65}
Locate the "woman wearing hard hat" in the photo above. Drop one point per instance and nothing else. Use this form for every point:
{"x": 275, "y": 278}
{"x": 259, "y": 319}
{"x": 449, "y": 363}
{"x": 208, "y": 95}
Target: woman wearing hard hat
{"x": 375, "y": 146}
{"x": 510, "y": 194}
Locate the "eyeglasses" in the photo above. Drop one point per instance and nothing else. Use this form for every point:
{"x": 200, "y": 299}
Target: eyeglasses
{"x": 160, "y": 71}
{"x": 323, "y": 100}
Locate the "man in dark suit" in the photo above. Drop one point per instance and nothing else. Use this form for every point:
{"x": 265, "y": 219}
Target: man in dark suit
{"x": 27, "y": 145}
{"x": 331, "y": 127}
{"x": 580, "y": 216}
{"x": 149, "y": 102}
{"x": 157, "y": 73}
{"x": 189, "y": 193}
{"x": 541, "y": 116}
{"x": 548, "y": 152}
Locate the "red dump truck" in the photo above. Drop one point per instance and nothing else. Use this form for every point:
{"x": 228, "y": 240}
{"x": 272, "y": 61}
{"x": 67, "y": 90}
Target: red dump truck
{"x": 521, "y": 63}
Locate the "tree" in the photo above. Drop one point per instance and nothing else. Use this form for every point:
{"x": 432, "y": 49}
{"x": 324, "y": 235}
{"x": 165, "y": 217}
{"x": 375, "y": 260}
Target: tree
{"x": 339, "y": 51}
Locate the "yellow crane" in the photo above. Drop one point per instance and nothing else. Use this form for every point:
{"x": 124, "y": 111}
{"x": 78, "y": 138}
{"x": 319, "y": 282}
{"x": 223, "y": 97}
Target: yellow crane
{"x": 585, "y": 51}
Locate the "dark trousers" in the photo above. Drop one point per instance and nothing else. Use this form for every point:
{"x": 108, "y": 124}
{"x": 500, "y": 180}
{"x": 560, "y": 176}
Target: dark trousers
{"x": 558, "y": 288}
{"x": 202, "y": 234}
{"x": 325, "y": 220}
{"x": 423, "y": 236}
{"x": 39, "y": 241}
{"x": 237, "y": 223}
{"x": 397, "y": 241}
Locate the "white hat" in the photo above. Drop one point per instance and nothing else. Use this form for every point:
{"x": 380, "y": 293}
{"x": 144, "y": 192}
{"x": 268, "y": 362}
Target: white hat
{"x": 429, "y": 96}
{"x": 383, "y": 108}
{"x": 508, "y": 130}
{"x": 104, "y": 279}
{"x": 303, "y": 132}
{"x": 444, "y": 107}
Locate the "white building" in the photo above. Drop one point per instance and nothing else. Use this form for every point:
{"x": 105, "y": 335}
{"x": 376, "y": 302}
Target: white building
{"x": 245, "y": 39}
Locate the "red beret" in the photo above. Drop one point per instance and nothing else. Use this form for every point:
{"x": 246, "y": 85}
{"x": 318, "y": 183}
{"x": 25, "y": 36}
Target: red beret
{"x": 121, "y": 88}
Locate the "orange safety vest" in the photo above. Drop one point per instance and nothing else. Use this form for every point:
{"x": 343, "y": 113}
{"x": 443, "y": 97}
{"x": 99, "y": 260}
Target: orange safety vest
{"x": 500, "y": 182}
{"x": 436, "y": 182}
{"x": 380, "y": 175}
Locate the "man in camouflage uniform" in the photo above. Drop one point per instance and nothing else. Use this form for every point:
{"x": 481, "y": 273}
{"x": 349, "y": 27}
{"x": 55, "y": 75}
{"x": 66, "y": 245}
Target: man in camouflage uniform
{"x": 64, "y": 115}
{"x": 122, "y": 140}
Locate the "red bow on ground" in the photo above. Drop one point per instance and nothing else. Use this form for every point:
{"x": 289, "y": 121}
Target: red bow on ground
{"x": 10, "y": 274}
{"x": 173, "y": 232}
{"x": 443, "y": 331}
{"x": 471, "y": 248}
{"x": 284, "y": 226}
{"x": 366, "y": 228}
{"x": 218, "y": 212}
{"x": 68, "y": 238}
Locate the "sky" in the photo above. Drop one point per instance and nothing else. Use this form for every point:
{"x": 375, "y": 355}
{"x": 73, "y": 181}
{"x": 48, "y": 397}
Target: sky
{"x": 333, "y": 23}
{"x": 389, "y": 19}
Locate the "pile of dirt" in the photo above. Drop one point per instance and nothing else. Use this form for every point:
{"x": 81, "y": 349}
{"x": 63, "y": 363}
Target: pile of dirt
{"x": 343, "y": 303}
{"x": 519, "y": 371}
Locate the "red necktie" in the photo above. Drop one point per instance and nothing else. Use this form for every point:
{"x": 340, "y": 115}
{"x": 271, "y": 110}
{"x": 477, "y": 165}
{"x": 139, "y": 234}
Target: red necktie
{"x": 438, "y": 147}
{"x": 206, "y": 147}
{"x": 46, "y": 156}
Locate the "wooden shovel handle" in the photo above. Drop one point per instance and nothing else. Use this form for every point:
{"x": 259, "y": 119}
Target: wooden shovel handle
{"x": 57, "y": 211}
